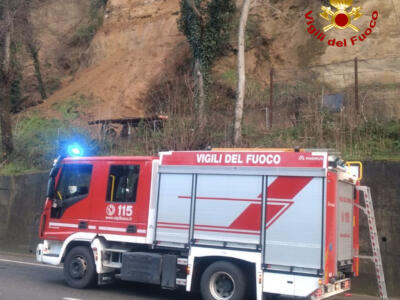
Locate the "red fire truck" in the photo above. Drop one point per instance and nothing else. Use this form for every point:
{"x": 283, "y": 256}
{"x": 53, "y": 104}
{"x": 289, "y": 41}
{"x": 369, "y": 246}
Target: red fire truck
{"x": 230, "y": 223}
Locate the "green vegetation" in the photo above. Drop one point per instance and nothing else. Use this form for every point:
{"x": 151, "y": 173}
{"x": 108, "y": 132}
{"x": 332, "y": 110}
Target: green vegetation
{"x": 15, "y": 93}
{"x": 368, "y": 136}
{"x": 53, "y": 84}
{"x": 70, "y": 109}
{"x": 374, "y": 140}
{"x": 229, "y": 77}
{"x": 356, "y": 137}
{"x": 369, "y": 141}
{"x": 85, "y": 33}
{"x": 298, "y": 121}
{"x": 16, "y": 168}
{"x": 207, "y": 25}
{"x": 39, "y": 140}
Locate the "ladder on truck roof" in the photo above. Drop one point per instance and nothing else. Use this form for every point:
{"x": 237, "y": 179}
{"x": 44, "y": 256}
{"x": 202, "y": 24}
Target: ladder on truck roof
{"x": 376, "y": 257}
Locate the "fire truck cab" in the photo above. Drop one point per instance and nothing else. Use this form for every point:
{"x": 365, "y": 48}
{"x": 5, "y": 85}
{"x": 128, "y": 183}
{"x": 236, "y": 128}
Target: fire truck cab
{"x": 234, "y": 224}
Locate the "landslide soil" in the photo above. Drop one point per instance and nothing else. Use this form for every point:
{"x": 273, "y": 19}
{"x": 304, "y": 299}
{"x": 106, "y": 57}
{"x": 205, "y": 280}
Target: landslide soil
{"x": 139, "y": 44}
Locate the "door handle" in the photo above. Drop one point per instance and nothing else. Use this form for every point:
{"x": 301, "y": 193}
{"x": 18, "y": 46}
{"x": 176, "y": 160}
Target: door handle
{"x": 131, "y": 229}
{"x": 83, "y": 225}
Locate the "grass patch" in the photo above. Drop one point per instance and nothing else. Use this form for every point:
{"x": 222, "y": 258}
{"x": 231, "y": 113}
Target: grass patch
{"x": 229, "y": 77}
{"x": 17, "y": 168}
{"x": 380, "y": 86}
{"x": 70, "y": 109}
{"x": 38, "y": 141}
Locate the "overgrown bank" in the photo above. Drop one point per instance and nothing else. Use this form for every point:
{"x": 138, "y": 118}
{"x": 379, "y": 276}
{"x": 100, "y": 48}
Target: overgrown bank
{"x": 299, "y": 120}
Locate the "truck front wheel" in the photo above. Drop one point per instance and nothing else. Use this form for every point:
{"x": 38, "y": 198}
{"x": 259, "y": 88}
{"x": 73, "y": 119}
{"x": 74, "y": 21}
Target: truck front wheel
{"x": 223, "y": 280}
{"x": 79, "y": 267}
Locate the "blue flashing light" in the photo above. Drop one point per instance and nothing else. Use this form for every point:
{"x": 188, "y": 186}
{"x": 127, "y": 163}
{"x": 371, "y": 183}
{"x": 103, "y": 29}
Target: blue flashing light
{"x": 75, "y": 150}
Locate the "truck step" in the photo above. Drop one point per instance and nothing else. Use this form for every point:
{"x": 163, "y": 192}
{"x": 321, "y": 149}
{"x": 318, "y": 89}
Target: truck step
{"x": 182, "y": 261}
{"x": 116, "y": 265}
{"x": 180, "y": 281}
{"x": 116, "y": 250}
{"x": 105, "y": 279}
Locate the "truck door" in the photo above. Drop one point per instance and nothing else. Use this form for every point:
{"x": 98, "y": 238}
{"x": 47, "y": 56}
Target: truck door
{"x": 121, "y": 205}
{"x": 73, "y": 193}
{"x": 294, "y": 223}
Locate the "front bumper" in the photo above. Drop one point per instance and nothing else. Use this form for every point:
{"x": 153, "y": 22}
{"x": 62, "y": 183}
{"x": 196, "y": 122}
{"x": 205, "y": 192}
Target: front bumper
{"x": 48, "y": 253}
{"x": 39, "y": 253}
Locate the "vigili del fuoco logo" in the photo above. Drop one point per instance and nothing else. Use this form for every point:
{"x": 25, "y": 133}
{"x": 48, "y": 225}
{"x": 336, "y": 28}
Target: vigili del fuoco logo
{"x": 340, "y": 16}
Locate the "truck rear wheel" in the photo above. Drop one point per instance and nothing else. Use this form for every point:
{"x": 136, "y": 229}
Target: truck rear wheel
{"x": 223, "y": 280}
{"x": 79, "y": 267}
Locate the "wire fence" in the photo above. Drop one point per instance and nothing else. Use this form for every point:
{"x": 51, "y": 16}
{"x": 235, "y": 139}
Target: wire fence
{"x": 374, "y": 95}
{"x": 299, "y": 111}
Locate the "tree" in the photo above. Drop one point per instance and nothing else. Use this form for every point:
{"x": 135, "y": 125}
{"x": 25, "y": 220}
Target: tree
{"x": 206, "y": 25}
{"x": 15, "y": 29}
{"x": 241, "y": 88}
{"x": 33, "y": 50}
{"x": 7, "y": 75}
{"x": 26, "y": 35}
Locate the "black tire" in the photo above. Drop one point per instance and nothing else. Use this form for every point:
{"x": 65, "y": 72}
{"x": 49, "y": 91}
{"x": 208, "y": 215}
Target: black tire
{"x": 79, "y": 268}
{"x": 223, "y": 280}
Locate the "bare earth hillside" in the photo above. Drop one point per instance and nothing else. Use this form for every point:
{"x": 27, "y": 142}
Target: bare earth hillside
{"x": 139, "y": 43}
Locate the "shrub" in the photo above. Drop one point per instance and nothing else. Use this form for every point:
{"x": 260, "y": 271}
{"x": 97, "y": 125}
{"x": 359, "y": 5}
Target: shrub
{"x": 70, "y": 109}
{"x": 38, "y": 141}
{"x": 85, "y": 33}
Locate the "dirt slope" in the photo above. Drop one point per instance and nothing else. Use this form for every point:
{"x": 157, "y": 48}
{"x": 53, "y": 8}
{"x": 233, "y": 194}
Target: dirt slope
{"x": 139, "y": 43}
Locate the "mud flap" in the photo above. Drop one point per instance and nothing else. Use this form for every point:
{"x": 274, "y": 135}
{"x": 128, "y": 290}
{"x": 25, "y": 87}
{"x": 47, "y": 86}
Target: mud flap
{"x": 168, "y": 278}
{"x": 141, "y": 267}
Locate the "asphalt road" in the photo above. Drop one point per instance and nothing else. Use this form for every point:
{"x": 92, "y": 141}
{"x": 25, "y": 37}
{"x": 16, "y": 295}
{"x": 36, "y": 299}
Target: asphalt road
{"x": 21, "y": 278}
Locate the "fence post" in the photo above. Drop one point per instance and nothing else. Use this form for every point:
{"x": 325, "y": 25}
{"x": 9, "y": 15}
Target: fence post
{"x": 271, "y": 95}
{"x": 356, "y": 85}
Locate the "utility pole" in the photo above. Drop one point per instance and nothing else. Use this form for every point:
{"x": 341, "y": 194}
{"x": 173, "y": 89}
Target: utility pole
{"x": 271, "y": 96}
{"x": 356, "y": 85}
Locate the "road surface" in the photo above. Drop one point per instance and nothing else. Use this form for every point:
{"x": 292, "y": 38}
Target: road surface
{"x": 21, "y": 278}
